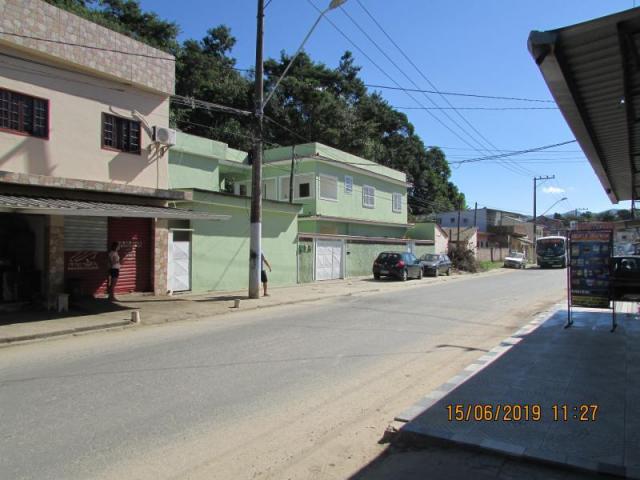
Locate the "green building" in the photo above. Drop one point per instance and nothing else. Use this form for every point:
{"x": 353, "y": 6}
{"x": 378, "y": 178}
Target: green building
{"x": 352, "y": 208}
{"x": 345, "y": 211}
{"x": 206, "y": 255}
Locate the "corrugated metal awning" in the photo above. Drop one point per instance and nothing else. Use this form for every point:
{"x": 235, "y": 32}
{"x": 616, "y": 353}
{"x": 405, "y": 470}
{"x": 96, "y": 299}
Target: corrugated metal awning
{"x": 592, "y": 71}
{"x": 88, "y": 208}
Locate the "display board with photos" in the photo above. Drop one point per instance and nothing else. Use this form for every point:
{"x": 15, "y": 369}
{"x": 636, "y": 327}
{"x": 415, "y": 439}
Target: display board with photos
{"x": 589, "y": 259}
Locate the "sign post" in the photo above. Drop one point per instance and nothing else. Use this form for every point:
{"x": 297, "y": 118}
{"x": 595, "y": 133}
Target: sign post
{"x": 588, "y": 279}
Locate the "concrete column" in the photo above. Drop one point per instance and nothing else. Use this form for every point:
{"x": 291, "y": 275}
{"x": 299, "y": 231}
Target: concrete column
{"x": 54, "y": 254}
{"x": 160, "y": 256}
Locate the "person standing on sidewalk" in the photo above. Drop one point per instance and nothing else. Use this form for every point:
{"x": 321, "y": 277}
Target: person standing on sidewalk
{"x": 263, "y": 275}
{"x": 114, "y": 271}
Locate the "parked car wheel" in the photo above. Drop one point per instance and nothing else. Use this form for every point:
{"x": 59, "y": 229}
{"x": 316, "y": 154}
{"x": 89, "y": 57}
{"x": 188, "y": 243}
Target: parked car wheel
{"x": 376, "y": 276}
{"x": 420, "y": 275}
{"x": 449, "y": 272}
{"x": 405, "y": 275}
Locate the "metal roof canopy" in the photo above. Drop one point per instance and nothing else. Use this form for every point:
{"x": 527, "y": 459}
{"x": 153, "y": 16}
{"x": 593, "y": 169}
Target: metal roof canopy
{"x": 593, "y": 72}
{"x": 57, "y": 206}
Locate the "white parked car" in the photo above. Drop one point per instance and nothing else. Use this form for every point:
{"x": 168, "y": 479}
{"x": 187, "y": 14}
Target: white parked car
{"x": 515, "y": 260}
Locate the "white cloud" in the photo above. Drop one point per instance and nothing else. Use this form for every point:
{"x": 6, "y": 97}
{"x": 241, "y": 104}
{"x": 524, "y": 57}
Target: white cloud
{"x": 553, "y": 190}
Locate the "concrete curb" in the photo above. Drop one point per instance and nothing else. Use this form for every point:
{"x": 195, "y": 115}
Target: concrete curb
{"x": 419, "y": 436}
{"x": 69, "y": 331}
{"x": 480, "y": 364}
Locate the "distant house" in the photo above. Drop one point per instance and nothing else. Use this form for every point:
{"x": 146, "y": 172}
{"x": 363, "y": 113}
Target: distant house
{"x": 463, "y": 238}
{"x": 430, "y": 231}
{"x": 482, "y": 218}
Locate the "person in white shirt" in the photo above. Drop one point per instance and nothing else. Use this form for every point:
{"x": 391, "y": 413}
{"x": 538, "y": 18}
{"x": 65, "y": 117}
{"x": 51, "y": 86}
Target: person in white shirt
{"x": 114, "y": 270}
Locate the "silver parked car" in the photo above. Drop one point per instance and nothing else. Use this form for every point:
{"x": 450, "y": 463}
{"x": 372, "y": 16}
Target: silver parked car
{"x": 515, "y": 260}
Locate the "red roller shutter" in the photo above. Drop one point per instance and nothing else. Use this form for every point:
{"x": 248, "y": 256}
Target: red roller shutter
{"x": 134, "y": 238}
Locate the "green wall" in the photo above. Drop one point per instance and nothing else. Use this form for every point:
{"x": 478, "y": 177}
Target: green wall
{"x": 349, "y": 205}
{"x": 221, "y": 248}
{"x": 422, "y": 231}
{"x": 360, "y": 256}
{"x": 354, "y": 229}
{"x": 422, "y": 249}
{"x": 305, "y": 261}
{"x": 187, "y": 170}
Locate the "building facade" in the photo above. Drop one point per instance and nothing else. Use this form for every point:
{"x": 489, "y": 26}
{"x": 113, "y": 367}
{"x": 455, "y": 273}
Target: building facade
{"x": 79, "y": 165}
{"x": 481, "y": 218}
{"x": 208, "y": 255}
{"x": 352, "y": 209}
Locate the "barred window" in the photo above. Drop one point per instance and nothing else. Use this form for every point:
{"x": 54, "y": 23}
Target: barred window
{"x": 120, "y": 133}
{"x": 24, "y": 114}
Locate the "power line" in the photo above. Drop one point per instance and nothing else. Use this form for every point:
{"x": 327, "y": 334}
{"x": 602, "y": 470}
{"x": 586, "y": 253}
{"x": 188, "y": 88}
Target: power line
{"x": 520, "y": 152}
{"x": 516, "y": 169}
{"x": 195, "y": 103}
{"x": 384, "y": 72}
{"x": 475, "y": 108}
{"x": 492, "y": 97}
{"x": 505, "y": 151}
{"x": 90, "y": 47}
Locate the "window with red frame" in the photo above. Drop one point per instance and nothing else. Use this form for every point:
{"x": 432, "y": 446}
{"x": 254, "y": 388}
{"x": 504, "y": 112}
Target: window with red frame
{"x": 120, "y": 133}
{"x": 24, "y": 114}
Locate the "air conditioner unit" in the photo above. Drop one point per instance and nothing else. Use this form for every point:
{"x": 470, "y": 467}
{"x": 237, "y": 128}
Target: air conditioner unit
{"x": 164, "y": 135}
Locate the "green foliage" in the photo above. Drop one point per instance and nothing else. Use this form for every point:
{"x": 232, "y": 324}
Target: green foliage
{"x": 486, "y": 265}
{"x": 464, "y": 260}
{"x": 205, "y": 71}
{"x": 317, "y": 102}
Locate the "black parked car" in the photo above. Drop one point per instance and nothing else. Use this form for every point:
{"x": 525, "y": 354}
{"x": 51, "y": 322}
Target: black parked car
{"x": 396, "y": 264}
{"x": 435, "y": 263}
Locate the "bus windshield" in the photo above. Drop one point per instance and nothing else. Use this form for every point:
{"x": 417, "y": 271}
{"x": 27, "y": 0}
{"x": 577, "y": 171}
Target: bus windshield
{"x": 551, "y": 247}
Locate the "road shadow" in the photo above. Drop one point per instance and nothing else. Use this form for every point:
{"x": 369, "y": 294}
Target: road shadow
{"x": 36, "y": 312}
{"x": 543, "y": 365}
{"x": 223, "y": 298}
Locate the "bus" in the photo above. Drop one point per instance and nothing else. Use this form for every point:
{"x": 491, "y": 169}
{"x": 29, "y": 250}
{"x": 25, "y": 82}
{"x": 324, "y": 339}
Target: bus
{"x": 551, "y": 251}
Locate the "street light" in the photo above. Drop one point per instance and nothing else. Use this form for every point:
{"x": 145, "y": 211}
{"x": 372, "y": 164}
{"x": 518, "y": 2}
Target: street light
{"x": 255, "y": 242}
{"x": 561, "y": 200}
{"x": 333, "y": 5}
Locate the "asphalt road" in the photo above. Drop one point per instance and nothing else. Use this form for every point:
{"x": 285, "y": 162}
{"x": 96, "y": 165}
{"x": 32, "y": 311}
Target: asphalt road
{"x": 165, "y": 401}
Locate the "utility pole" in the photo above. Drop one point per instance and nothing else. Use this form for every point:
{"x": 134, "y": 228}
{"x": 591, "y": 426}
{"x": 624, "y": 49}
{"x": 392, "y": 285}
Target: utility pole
{"x": 535, "y": 196}
{"x": 255, "y": 245}
{"x": 458, "y": 239}
{"x": 475, "y": 214}
{"x": 293, "y": 163}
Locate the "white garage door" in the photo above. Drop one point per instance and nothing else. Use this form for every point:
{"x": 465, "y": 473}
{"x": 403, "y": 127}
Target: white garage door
{"x": 179, "y": 262}
{"x": 328, "y": 259}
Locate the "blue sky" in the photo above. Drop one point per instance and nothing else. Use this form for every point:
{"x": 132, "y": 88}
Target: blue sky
{"x": 468, "y": 46}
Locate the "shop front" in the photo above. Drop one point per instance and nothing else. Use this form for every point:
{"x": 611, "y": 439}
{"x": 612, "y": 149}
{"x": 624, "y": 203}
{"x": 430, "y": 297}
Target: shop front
{"x": 86, "y": 245}
{"x": 54, "y": 245}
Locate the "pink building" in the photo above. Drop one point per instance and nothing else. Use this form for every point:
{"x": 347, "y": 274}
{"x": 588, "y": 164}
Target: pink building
{"x": 81, "y": 165}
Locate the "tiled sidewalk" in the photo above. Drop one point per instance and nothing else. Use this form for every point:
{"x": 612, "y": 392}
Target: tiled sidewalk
{"x": 547, "y": 365}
